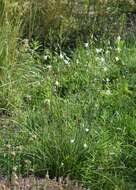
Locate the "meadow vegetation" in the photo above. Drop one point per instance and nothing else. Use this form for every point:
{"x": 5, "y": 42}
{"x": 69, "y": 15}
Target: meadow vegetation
{"x": 68, "y": 91}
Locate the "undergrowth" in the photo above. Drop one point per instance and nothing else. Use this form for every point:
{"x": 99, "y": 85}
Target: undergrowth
{"x": 66, "y": 113}
{"x": 71, "y": 116}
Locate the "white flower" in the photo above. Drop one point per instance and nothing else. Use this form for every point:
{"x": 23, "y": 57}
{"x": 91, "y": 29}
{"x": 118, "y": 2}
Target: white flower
{"x": 13, "y": 153}
{"x": 8, "y": 146}
{"x": 61, "y": 56}
{"x": 107, "y": 52}
{"x": 86, "y": 45}
{"x": 86, "y": 129}
{"x": 49, "y": 67}
{"x": 47, "y": 101}
{"x": 27, "y": 162}
{"x": 72, "y": 141}
{"x": 62, "y": 164}
{"x": 98, "y": 50}
{"x": 34, "y": 136}
{"x": 57, "y": 83}
{"x": 116, "y": 58}
{"x": 102, "y": 59}
{"x": 100, "y": 168}
{"x": 85, "y": 145}
{"x": 97, "y": 59}
{"x": 14, "y": 168}
{"x": 77, "y": 61}
{"x": 66, "y": 61}
{"x": 45, "y": 57}
{"x": 112, "y": 153}
{"x": 118, "y": 38}
{"x": 96, "y": 105}
{"x": 108, "y": 92}
{"x": 28, "y": 97}
{"x": 67, "y": 58}
{"x": 25, "y": 44}
{"x": 107, "y": 80}
{"x": 105, "y": 69}
{"x": 118, "y": 49}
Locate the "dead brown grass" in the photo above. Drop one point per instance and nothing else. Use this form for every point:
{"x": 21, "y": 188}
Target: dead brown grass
{"x": 33, "y": 183}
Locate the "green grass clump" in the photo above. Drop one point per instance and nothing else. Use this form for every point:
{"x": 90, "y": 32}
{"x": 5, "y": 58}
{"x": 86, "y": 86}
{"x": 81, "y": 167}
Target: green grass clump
{"x": 66, "y": 113}
{"x": 71, "y": 116}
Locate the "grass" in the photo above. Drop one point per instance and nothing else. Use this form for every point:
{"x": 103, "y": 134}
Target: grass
{"x": 73, "y": 117}
{"x": 68, "y": 114}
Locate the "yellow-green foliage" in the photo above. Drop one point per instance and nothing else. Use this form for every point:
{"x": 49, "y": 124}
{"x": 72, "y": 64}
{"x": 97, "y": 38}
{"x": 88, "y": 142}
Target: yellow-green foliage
{"x": 43, "y": 16}
{"x": 38, "y": 18}
{"x": 9, "y": 33}
{"x": 57, "y": 21}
